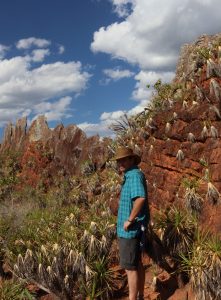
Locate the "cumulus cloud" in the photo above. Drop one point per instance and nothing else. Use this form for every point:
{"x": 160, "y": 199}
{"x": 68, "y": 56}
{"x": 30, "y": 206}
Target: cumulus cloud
{"x": 21, "y": 85}
{"x": 54, "y": 111}
{"x": 95, "y": 128}
{"x": 144, "y": 78}
{"x": 11, "y": 114}
{"x": 122, "y": 7}
{"x": 3, "y": 50}
{"x": 151, "y": 35}
{"x": 117, "y": 74}
{"x": 102, "y": 128}
{"x": 38, "y": 55}
{"x": 141, "y": 93}
{"x": 109, "y": 117}
{"x": 32, "y": 42}
{"x": 61, "y": 49}
{"x": 29, "y": 90}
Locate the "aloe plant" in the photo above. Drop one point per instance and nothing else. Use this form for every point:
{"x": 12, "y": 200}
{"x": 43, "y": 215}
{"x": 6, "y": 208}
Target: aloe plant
{"x": 64, "y": 250}
{"x": 180, "y": 155}
{"x": 193, "y": 200}
{"x": 213, "y": 194}
{"x": 178, "y": 229}
{"x": 203, "y": 263}
{"x": 215, "y": 89}
{"x": 191, "y": 137}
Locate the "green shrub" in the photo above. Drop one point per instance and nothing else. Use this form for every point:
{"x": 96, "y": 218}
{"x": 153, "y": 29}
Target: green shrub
{"x": 203, "y": 264}
{"x": 10, "y": 290}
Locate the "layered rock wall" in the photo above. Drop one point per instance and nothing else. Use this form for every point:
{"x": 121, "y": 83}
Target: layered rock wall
{"x": 69, "y": 146}
{"x": 185, "y": 137}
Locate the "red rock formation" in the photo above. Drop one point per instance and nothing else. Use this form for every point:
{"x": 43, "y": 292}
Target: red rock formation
{"x": 68, "y": 146}
{"x": 199, "y": 85}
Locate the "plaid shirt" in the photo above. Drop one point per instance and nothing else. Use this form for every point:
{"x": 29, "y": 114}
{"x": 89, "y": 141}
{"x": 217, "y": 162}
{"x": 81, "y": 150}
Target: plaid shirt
{"x": 134, "y": 186}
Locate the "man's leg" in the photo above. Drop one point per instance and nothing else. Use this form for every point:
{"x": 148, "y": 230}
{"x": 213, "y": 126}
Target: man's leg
{"x": 141, "y": 279}
{"x": 130, "y": 260}
{"x": 132, "y": 277}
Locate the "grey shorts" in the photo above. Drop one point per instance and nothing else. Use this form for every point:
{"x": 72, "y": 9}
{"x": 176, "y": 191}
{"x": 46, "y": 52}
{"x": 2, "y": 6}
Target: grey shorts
{"x": 130, "y": 253}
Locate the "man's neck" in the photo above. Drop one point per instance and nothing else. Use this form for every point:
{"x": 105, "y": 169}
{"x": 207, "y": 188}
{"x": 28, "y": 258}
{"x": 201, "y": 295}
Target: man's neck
{"x": 130, "y": 168}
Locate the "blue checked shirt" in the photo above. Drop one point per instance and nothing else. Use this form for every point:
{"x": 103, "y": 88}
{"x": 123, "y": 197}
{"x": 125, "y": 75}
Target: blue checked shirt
{"x": 134, "y": 186}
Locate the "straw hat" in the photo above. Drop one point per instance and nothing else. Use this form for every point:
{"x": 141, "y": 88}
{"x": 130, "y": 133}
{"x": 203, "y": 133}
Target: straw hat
{"x": 123, "y": 152}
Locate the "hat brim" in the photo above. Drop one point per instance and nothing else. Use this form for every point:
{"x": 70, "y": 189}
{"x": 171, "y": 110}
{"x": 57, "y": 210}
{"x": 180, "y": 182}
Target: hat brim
{"x": 137, "y": 158}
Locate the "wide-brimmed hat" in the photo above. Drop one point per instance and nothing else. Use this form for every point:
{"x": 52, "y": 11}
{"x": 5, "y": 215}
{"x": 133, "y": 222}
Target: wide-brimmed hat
{"x": 123, "y": 152}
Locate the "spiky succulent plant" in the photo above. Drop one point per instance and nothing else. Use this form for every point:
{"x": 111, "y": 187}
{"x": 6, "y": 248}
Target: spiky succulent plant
{"x": 180, "y": 155}
{"x": 178, "y": 228}
{"x": 204, "y": 132}
{"x": 213, "y": 194}
{"x": 214, "y": 132}
{"x": 203, "y": 263}
{"x": 215, "y": 89}
{"x": 191, "y": 137}
{"x": 193, "y": 200}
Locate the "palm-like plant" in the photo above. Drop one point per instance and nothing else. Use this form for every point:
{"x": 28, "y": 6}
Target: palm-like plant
{"x": 58, "y": 261}
{"x": 180, "y": 155}
{"x": 203, "y": 263}
{"x": 193, "y": 200}
{"x": 178, "y": 230}
{"x": 213, "y": 194}
{"x": 101, "y": 284}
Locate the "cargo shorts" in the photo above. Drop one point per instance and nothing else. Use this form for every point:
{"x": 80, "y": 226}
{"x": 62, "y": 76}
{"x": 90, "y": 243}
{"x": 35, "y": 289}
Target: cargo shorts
{"x": 130, "y": 253}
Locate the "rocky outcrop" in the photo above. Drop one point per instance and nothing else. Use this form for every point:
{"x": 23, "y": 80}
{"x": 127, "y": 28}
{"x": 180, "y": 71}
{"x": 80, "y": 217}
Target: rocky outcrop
{"x": 186, "y": 143}
{"x": 39, "y": 130}
{"x": 68, "y": 146}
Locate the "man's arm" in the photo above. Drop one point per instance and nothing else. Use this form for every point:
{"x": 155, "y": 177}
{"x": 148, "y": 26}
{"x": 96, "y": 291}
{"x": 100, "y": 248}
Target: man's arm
{"x": 138, "y": 204}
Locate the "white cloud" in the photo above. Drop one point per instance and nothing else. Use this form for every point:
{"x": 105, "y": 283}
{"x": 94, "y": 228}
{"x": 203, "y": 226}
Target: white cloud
{"x": 137, "y": 109}
{"x": 151, "y": 35}
{"x": 54, "y": 110}
{"x": 122, "y": 7}
{"x": 3, "y": 50}
{"x": 102, "y": 128}
{"x": 38, "y": 55}
{"x": 117, "y": 74}
{"x": 94, "y": 129}
{"x": 144, "y": 78}
{"x": 109, "y": 117}
{"x": 61, "y": 49}
{"x": 12, "y": 69}
{"x": 141, "y": 93}
{"x": 28, "y": 90}
{"x": 32, "y": 42}
{"x": 22, "y": 85}
{"x": 12, "y": 114}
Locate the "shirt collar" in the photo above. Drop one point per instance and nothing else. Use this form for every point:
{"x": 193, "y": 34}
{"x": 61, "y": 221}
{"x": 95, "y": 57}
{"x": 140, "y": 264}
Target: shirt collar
{"x": 130, "y": 169}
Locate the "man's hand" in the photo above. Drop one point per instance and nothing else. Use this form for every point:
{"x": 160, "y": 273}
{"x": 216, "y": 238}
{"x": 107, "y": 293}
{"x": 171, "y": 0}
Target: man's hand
{"x": 126, "y": 225}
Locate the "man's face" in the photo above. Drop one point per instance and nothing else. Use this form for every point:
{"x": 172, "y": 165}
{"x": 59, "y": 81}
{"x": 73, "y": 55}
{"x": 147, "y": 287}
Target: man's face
{"x": 125, "y": 163}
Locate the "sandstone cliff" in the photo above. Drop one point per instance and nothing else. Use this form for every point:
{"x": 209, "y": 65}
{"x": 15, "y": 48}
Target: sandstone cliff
{"x": 184, "y": 135}
{"x": 69, "y": 146}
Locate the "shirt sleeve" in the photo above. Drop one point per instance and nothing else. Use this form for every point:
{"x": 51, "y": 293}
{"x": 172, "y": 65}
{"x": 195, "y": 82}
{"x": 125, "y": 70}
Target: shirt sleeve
{"x": 137, "y": 186}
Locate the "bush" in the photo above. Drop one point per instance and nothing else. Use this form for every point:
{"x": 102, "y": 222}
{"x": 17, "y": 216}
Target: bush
{"x": 11, "y": 290}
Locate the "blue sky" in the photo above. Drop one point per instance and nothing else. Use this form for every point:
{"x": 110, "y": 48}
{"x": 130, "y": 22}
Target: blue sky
{"x": 87, "y": 62}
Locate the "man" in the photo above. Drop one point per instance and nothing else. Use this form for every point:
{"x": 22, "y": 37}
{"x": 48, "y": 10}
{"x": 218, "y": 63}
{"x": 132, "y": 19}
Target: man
{"x": 133, "y": 217}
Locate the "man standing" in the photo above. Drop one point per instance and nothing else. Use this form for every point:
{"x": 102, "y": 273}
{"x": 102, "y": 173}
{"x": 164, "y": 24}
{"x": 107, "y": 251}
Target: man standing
{"x": 133, "y": 217}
